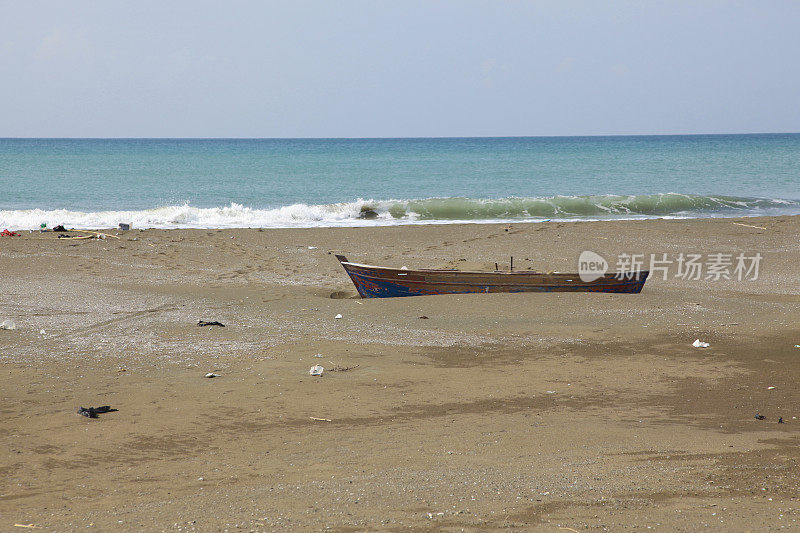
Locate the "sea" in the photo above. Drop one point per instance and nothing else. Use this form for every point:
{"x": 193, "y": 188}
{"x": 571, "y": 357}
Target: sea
{"x": 285, "y": 183}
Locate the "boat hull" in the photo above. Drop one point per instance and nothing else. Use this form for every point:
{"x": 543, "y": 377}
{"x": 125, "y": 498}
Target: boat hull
{"x": 381, "y": 282}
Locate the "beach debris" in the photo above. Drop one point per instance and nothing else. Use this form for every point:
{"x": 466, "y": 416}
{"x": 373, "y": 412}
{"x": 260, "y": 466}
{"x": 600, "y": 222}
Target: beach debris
{"x": 202, "y": 323}
{"x": 123, "y": 226}
{"x": 342, "y": 368}
{"x": 760, "y": 417}
{"x": 316, "y": 370}
{"x": 797, "y": 345}
{"x": 94, "y": 235}
{"x": 780, "y": 420}
{"x": 770, "y": 388}
{"x": 320, "y": 419}
{"x": 41, "y": 332}
{"x": 423, "y": 317}
{"x": 29, "y": 526}
{"x": 312, "y": 247}
{"x": 8, "y": 324}
{"x": 102, "y": 236}
{"x": 338, "y": 316}
{"x": 212, "y": 375}
{"x": 6, "y": 233}
{"x": 92, "y": 412}
{"x": 318, "y": 355}
{"x": 700, "y": 344}
{"x": 403, "y": 267}
{"x": 60, "y": 227}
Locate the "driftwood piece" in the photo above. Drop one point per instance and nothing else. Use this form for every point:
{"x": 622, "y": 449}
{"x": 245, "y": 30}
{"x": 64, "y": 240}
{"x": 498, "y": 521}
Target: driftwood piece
{"x": 749, "y": 226}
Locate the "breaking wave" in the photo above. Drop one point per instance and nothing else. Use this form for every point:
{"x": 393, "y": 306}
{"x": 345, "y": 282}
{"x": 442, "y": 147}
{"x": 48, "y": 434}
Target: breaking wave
{"x": 430, "y": 210}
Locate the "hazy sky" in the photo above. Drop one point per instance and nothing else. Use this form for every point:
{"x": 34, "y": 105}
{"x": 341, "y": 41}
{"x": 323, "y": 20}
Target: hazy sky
{"x": 396, "y": 69}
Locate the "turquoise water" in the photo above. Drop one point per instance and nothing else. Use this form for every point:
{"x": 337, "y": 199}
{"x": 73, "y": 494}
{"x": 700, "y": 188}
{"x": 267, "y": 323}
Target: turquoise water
{"x": 328, "y": 182}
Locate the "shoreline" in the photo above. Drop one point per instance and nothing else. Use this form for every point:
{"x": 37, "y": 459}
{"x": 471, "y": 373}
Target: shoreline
{"x": 355, "y": 225}
{"x": 413, "y": 212}
{"x": 523, "y": 411}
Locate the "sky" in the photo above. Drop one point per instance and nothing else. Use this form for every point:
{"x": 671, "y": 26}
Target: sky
{"x": 397, "y": 69}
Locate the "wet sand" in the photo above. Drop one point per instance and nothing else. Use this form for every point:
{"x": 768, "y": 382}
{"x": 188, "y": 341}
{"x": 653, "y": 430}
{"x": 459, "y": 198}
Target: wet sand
{"x": 520, "y": 411}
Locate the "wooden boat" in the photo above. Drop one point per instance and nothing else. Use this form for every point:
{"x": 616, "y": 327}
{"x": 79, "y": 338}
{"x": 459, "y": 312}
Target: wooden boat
{"x": 381, "y": 282}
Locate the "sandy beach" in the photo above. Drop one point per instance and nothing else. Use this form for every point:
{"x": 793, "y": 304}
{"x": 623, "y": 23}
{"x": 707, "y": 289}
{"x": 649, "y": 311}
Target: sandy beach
{"x": 544, "y": 412}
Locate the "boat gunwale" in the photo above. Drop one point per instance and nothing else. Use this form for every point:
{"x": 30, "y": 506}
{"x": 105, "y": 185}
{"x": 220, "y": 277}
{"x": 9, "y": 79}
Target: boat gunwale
{"x": 641, "y": 274}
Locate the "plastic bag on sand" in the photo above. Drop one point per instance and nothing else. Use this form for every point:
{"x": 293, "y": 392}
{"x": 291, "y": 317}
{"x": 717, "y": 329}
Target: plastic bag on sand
{"x": 700, "y": 344}
{"x": 8, "y": 324}
{"x": 316, "y": 370}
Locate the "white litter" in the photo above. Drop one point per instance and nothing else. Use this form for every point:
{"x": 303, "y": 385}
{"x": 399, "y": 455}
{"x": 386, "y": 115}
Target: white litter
{"x": 212, "y": 375}
{"x": 41, "y": 332}
{"x": 312, "y": 247}
{"x": 8, "y": 324}
{"x": 700, "y": 344}
{"x": 770, "y": 388}
{"x": 403, "y": 267}
{"x": 318, "y": 355}
{"x": 316, "y": 370}
{"x": 338, "y": 316}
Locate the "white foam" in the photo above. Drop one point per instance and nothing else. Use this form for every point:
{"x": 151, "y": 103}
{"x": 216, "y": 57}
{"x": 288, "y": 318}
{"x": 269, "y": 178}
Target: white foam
{"x": 186, "y": 216}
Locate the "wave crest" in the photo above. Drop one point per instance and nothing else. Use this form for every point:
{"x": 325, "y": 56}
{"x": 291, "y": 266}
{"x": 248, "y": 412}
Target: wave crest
{"x": 389, "y": 212}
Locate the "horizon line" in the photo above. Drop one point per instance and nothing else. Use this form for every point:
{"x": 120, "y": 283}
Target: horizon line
{"x": 410, "y": 137}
